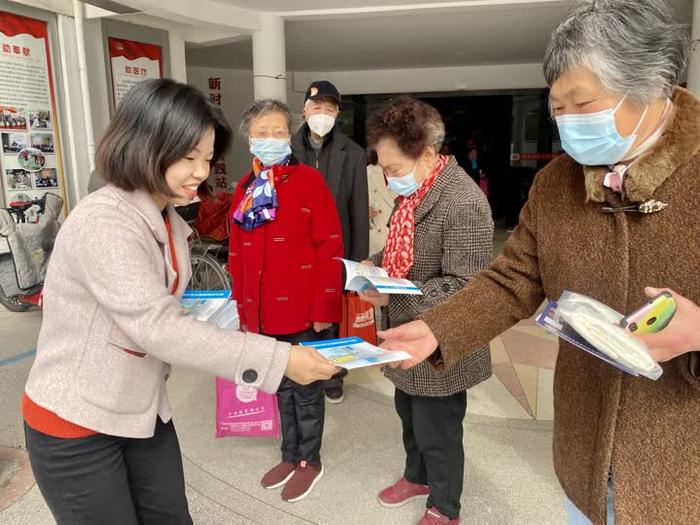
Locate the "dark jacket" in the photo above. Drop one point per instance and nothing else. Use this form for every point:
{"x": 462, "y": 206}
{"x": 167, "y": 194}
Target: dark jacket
{"x": 452, "y": 243}
{"x": 344, "y": 167}
{"x": 285, "y": 275}
{"x": 645, "y": 431}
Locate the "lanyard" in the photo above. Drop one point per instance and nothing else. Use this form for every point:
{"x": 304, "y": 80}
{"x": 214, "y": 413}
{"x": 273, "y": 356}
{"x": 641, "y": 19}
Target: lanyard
{"x": 173, "y": 255}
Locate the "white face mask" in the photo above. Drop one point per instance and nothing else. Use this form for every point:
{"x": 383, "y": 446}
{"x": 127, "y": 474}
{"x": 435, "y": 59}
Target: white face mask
{"x": 321, "y": 124}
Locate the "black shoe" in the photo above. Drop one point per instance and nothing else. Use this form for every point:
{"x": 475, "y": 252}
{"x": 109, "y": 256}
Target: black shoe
{"x": 334, "y": 395}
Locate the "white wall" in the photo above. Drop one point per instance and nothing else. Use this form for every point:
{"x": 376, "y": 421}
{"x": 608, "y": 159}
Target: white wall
{"x": 100, "y": 90}
{"x": 237, "y": 94}
{"x": 467, "y": 78}
{"x": 74, "y": 143}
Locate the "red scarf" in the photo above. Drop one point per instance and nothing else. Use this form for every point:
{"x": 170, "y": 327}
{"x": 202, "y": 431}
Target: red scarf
{"x": 398, "y": 253}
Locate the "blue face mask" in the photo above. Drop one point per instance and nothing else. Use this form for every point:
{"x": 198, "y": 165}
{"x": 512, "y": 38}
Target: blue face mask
{"x": 270, "y": 151}
{"x": 592, "y": 139}
{"x": 405, "y": 186}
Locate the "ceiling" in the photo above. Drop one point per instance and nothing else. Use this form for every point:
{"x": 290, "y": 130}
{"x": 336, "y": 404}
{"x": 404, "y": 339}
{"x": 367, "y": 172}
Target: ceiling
{"x": 323, "y": 5}
{"x": 497, "y": 34}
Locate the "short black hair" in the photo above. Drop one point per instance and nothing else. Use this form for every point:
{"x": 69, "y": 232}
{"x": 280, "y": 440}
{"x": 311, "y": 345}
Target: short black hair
{"x": 156, "y": 124}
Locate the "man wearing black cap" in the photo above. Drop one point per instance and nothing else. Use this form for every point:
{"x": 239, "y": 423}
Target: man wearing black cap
{"x": 319, "y": 143}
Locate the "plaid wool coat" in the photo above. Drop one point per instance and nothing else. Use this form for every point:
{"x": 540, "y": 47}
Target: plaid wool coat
{"x": 452, "y": 243}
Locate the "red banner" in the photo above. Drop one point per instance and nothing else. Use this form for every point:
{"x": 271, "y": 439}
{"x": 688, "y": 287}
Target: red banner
{"x": 132, "y": 50}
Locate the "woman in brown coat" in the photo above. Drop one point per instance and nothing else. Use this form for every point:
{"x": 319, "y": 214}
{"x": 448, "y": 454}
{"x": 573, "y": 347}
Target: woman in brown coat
{"x": 625, "y": 448}
{"x": 440, "y": 236}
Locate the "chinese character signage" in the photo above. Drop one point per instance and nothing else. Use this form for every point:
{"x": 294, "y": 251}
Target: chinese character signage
{"x": 29, "y": 153}
{"x": 131, "y": 63}
{"x": 215, "y": 90}
{"x": 215, "y": 97}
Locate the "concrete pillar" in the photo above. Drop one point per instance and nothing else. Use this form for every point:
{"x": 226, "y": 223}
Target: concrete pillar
{"x": 269, "y": 60}
{"x": 178, "y": 62}
{"x": 694, "y": 57}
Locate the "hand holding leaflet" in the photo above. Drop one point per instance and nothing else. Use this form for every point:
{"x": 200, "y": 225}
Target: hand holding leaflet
{"x": 353, "y": 352}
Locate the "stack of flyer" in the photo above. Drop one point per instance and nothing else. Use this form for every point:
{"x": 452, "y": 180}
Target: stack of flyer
{"x": 215, "y": 306}
{"x": 361, "y": 277}
{"x": 353, "y": 352}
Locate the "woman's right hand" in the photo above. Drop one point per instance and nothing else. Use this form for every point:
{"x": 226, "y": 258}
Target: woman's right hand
{"x": 415, "y": 338}
{"x": 306, "y": 365}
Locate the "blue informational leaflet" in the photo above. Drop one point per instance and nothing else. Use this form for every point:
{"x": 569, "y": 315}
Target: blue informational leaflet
{"x": 361, "y": 277}
{"x": 353, "y": 352}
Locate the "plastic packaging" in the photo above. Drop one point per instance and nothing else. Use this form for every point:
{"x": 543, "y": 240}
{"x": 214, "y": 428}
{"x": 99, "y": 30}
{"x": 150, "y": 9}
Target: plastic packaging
{"x": 595, "y": 328}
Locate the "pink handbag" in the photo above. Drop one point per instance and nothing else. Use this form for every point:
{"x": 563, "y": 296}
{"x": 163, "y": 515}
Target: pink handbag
{"x": 245, "y": 411}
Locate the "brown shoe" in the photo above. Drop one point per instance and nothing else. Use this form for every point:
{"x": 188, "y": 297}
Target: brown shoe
{"x": 278, "y": 476}
{"x": 302, "y": 482}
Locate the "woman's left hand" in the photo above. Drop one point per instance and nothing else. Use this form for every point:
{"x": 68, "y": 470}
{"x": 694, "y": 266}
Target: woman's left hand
{"x": 374, "y": 297}
{"x": 320, "y": 327}
{"x": 682, "y": 335}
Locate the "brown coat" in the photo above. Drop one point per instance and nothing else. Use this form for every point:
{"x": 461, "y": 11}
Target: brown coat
{"x": 647, "y": 432}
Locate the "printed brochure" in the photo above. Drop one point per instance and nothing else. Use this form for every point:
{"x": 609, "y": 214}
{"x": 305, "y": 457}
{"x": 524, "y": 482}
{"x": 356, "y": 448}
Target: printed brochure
{"x": 353, "y": 352}
{"x": 361, "y": 277}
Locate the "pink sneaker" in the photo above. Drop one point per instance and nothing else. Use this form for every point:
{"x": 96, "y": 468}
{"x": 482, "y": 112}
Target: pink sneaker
{"x": 435, "y": 517}
{"x": 401, "y": 493}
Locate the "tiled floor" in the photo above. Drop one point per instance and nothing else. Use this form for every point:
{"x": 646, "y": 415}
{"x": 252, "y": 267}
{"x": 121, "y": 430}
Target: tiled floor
{"x": 509, "y": 477}
{"x": 521, "y": 385}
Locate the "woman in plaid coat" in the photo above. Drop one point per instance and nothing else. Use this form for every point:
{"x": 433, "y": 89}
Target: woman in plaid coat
{"x": 440, "y": 235}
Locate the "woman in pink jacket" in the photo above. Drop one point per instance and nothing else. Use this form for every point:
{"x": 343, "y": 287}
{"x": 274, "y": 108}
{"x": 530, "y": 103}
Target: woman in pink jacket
{"x": 98, "y": 424}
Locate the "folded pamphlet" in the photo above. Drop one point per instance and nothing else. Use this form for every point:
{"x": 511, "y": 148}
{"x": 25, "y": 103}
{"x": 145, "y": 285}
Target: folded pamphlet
{"x": 353, "y": 352}
{"x": 361, "y": 277}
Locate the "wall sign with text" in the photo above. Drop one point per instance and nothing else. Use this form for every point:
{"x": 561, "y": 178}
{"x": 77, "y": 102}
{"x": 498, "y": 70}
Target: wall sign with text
{"x": 29, "y": 151}
{"x": 131, "y": 63}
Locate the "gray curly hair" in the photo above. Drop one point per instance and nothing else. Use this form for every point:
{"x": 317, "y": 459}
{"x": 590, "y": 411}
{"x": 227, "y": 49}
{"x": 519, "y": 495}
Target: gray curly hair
{"x": 260, "y": 108}
{"x": 632, "y": 46}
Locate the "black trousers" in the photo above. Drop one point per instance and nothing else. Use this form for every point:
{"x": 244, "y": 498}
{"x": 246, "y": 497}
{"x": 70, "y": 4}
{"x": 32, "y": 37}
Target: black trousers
{"x": 302, "y": 410}
{"x": 111, "y": 480}
{"x": 432, "y": 438}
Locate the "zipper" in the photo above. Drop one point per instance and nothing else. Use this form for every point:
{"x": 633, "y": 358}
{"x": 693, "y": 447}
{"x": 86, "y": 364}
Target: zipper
{"x": 260, "y": 280}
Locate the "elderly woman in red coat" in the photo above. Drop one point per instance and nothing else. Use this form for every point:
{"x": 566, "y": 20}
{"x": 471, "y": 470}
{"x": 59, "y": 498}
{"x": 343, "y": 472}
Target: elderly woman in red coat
{"x": 285, "y": 238}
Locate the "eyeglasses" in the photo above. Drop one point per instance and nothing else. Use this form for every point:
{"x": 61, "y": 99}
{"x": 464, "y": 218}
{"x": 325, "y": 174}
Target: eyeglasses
{"x": 263, "y": 134}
